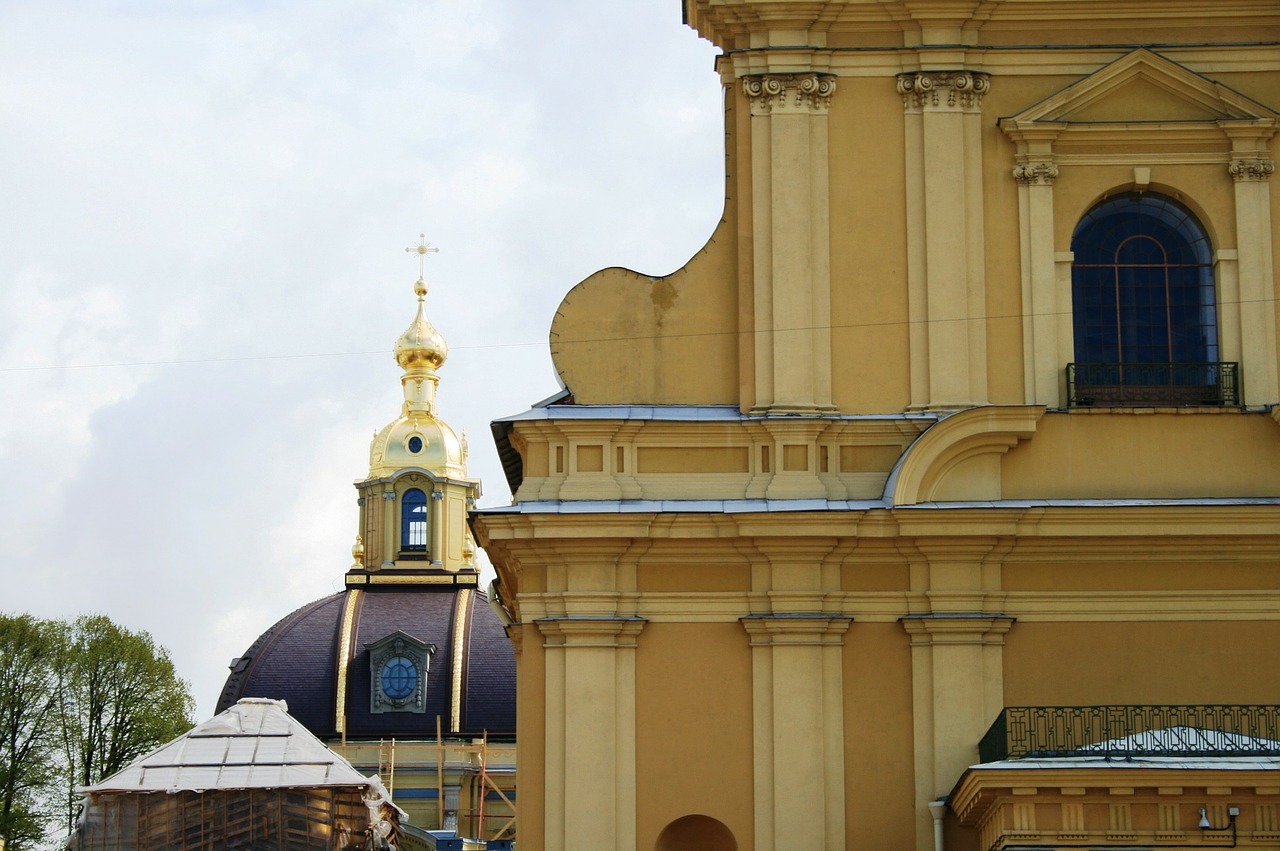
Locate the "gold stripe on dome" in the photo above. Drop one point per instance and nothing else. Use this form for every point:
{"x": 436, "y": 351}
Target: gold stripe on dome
{"x": 459, "y": 636}
{"x": 344, "y": 657}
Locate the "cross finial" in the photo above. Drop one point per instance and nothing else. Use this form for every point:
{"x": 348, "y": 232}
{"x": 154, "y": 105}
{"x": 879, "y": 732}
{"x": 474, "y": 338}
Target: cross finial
{"x": 422, "y": 250}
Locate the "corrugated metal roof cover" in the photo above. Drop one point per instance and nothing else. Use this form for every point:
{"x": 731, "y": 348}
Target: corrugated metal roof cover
{"x": 255, "y": 744}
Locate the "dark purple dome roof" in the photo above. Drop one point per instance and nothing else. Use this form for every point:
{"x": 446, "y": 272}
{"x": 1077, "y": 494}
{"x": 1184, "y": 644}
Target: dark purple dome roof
{"x": 296, "y": 660}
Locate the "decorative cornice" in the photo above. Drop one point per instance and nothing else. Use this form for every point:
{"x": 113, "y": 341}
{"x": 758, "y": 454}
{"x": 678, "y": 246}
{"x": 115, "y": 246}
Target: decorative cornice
{"x": 789, "y": 92}
{"x": 1035, "y": 174}
{"x": 926, "y": 89}
{"x": 1251, "y": 168}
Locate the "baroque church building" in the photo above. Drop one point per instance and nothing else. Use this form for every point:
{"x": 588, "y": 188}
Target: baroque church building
{"x": 935, "y": 503}
{"x": 406, "y": 672}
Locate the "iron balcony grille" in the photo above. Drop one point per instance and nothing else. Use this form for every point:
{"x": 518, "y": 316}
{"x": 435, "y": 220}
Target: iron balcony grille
{"x": 1152, "y": 384}
{"x": 1122, "y": 732}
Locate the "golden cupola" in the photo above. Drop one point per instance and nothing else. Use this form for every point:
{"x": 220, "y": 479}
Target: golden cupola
{"x": 418, "y": 437}
{"x": 414, "y": 502}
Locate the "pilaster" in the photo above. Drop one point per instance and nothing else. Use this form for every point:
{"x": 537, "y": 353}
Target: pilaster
{"x": 798, "y": 712}
{"x": 1035, "y": 174}
{"x": 945, "y": 265}
{"x": 958, "y": 687}
{"x": 389, "y": 509}
{"x": 590, "y": 765}
{"x": 1250, "y": 170}
{"x": 791, "y": 283}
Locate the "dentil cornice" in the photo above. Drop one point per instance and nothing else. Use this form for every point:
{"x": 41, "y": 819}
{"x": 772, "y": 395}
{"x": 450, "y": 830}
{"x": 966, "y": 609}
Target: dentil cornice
{"x": 943, "y": 89}
{"x": 789, "y": 92}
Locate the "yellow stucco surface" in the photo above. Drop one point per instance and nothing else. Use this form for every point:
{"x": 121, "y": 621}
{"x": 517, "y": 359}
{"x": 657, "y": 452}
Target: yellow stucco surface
{"x": 1173, "y": 455}
{"x": 1176, "y": 662}
{"x": 693, "y": 727}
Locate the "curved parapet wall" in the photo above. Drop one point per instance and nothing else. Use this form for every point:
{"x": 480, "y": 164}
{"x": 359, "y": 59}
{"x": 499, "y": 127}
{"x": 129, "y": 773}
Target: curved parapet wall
{"x": 620, "y": 336}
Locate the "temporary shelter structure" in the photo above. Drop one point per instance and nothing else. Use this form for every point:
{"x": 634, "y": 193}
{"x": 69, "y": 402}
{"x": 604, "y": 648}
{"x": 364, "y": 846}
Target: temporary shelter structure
{"x": 252, "y": 777}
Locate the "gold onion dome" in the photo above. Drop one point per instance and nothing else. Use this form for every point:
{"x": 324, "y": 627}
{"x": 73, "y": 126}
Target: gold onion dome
{"x": 421, "y": 344}
{"x": 418, "y": 438}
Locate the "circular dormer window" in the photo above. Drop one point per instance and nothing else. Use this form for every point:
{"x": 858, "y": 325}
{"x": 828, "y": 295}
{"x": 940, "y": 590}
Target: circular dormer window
{"x": 415, "y": 444}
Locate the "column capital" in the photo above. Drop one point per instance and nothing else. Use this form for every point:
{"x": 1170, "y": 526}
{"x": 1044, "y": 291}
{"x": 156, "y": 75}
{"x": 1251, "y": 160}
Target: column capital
{"x": 796, "y": 628}
{"x": 939, "y": 90}
{"x": 1035, "y": 174}
{"x": 957, "y": 628}
{"x": 789, "y": 93}
{"x": 1251, "y": 168}
{"x": 589, "y": 631}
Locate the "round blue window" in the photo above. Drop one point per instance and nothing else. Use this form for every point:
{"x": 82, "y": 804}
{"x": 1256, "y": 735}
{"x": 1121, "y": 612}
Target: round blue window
{"x": 399, "y": 677}
{"x": 415, "y": 444}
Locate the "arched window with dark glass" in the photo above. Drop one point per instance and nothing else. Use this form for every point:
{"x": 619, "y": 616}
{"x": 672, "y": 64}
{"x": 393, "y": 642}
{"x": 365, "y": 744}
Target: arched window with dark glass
{"x": 1144, "y": 307}
{"x": 413, "y": 521}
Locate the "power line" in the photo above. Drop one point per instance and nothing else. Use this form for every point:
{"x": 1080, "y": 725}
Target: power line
{"x": 554, "y": 342}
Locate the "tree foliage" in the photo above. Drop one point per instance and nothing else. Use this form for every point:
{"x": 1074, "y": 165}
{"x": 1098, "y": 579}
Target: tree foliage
{"x": 78, "y": 702}
{"x": 29, "y": 653}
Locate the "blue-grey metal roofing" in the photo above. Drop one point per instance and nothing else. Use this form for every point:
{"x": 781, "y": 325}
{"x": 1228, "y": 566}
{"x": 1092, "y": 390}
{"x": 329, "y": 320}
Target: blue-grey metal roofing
{"x": 760, "y": 506}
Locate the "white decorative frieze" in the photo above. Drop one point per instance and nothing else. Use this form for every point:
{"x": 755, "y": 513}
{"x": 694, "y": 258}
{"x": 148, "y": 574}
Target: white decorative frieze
{"x": 943, "y": 89}
{"x": 1030, "y": 174}
{"x": 789, "y": 92}
{"x": 1251, "y": 168}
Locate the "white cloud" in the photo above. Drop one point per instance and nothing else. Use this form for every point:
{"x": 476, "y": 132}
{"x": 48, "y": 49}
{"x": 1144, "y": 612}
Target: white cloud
{"x": 210, "y": 181}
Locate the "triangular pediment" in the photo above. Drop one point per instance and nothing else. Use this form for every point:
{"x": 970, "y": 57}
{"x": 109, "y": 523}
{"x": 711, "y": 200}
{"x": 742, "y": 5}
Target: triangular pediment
{"x": 1142, "y": 86}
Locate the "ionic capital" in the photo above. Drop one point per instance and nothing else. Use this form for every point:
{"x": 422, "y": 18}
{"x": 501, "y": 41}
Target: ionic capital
{"x": 1030, "y": 174}
{"x": 943, "y": 89}
{"x": 789, "y": 92}
{"x": 1251, "y": 168}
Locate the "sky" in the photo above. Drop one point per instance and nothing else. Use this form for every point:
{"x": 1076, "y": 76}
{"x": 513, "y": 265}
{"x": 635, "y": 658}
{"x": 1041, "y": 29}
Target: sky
{"x": 204, "y": 206}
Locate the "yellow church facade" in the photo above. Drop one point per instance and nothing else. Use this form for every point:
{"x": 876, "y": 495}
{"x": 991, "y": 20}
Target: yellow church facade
{"x": 935, "y": 503}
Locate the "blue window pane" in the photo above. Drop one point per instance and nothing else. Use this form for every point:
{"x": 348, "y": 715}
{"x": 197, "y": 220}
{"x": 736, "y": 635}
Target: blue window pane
{"x": 413, "y": 521}
{"x": 1142, "y": 284}
{"x": 399, "y": 678}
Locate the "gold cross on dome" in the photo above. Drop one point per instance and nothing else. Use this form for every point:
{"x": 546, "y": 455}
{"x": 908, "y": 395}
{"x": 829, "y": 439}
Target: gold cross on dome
{"x": 422, "y": 250}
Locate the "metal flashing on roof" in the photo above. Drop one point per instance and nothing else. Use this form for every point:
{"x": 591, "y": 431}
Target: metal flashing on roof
{"x": 1098, "y": 503}
{"x": 745, "y": 506}
{"x": 683, "y": 413}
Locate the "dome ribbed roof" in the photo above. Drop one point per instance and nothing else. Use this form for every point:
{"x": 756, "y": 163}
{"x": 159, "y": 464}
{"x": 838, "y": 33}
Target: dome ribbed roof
{"x": 296, "y": 660}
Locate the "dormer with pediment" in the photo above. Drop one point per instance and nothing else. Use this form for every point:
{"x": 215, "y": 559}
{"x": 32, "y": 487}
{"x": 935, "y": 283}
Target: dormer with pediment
{"x": 1146, "y": 127}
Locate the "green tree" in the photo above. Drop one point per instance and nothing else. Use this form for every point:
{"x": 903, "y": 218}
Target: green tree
{"x": 29, "y": 653}
{"x": 78, "y": 702}
{"x": 120, "y": 698}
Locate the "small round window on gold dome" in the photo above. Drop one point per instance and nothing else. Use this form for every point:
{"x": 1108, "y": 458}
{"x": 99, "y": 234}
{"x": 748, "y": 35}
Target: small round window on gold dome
{"x": 415, "y": 444}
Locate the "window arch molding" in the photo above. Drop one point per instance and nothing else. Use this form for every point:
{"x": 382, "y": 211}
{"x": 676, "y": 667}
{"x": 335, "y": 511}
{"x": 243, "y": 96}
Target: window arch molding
{"x": 1206, "y": 218}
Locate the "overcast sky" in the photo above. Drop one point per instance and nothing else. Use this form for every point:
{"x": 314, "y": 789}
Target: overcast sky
{"x": 203, "y": 213}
